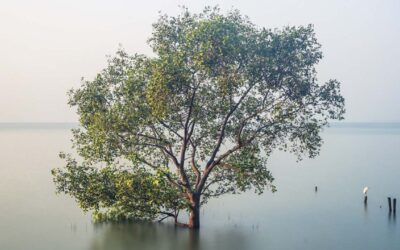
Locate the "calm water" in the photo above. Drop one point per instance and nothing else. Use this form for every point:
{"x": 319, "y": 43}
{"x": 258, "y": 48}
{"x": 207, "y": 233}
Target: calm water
{"x": 295, "y": 217}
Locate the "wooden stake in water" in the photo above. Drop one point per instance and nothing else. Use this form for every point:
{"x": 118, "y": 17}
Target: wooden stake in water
{"x": 365, "y": 191}
{"x": 394, "y": 205}
{"x": 316, "y": 189}
{"x": 390, "y": 204}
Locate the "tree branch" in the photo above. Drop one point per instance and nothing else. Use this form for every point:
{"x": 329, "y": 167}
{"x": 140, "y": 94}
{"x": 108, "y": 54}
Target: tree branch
{"x": 185, "y": 141}
{"x": 210, "y": 165}
{"x": 223, "y": 127}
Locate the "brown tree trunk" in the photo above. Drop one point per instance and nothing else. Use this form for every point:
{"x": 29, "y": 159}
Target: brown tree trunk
{"x": 194, "y": 216}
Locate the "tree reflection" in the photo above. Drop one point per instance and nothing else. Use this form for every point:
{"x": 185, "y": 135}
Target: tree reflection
{"x": 124, "y": 236}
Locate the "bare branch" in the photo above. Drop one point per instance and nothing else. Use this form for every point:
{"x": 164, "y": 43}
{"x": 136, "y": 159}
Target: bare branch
{"x": 170, "y": 129}
{"x": 210, "y": 164}
{"x": 223, "y": 127}
{"x": 194, "y": 167}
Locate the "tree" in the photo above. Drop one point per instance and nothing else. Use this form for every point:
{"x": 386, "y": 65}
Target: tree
{"x": 163, "y": 134}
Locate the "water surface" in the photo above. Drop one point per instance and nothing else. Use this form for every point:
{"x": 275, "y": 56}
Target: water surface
{"x": 295, "y": 217}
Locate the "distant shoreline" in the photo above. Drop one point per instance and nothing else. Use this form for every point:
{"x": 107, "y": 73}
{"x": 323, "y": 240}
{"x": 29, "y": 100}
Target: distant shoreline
{"x": 38, "y": 125}
{"x": 70, "y": 125}
{"x": 365, "y": 125}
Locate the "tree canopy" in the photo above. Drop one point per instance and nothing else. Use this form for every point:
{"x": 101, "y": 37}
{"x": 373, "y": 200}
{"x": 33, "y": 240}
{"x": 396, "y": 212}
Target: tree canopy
{"x": 165, "y": 133}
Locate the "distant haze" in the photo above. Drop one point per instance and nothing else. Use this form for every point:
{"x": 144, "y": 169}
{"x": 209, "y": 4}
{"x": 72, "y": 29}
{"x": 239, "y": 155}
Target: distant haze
{"x": 46, "y": 46}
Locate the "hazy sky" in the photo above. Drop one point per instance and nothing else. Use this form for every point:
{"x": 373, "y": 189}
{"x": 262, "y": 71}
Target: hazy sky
{"x": 46, "y": 46}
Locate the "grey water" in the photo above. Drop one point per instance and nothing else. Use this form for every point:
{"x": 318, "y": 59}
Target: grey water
{"x": 353, "y": 156}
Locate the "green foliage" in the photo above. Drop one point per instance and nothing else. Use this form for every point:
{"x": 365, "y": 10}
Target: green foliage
{"x": 116, "y": 193}
{"x": 197, "y": 120}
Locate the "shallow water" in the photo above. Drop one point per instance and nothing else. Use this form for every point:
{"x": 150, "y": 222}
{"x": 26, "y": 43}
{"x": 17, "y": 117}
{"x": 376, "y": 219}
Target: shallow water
{"x": 295, "y": 217}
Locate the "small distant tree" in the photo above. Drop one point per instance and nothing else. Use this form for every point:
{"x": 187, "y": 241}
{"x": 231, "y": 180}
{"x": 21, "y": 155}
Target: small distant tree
{"x": 166, "y": 133}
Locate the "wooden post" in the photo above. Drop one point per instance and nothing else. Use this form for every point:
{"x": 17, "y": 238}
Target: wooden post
{"x": 390, "y": 204}
{"x": 394, "y": 205}
{"x": 316, "y": 189}
{"x": 365, "y": 199}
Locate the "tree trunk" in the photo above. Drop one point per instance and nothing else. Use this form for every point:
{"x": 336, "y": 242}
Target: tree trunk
{"x": 194, "y": 216}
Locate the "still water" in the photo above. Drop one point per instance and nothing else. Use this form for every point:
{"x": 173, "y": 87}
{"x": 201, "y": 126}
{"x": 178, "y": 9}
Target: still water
{"x": 296, "y": 217}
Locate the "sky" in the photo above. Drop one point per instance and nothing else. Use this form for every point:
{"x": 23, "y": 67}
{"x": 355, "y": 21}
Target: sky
{"x": 47, "y": 46}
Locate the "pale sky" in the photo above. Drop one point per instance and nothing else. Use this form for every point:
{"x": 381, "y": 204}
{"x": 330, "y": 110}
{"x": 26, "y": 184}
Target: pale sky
{"x": 46, "y": 46}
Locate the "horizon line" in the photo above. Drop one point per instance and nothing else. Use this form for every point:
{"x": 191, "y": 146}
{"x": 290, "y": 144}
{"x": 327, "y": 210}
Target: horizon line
{"x": 69, "y": 122}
